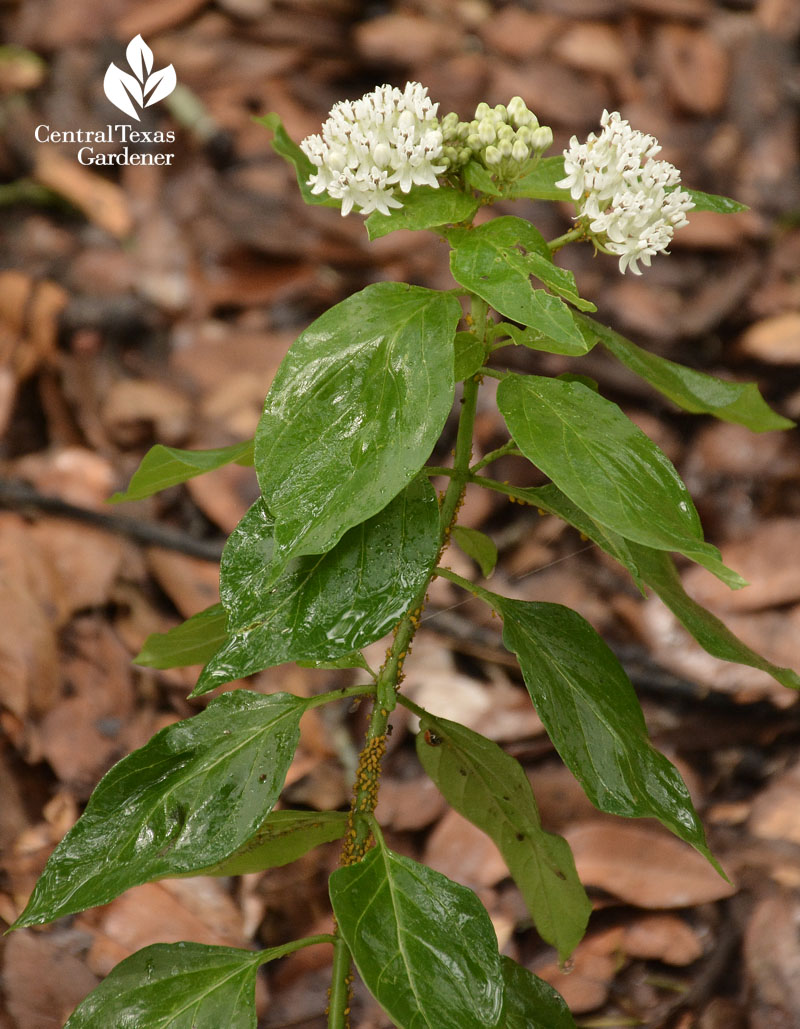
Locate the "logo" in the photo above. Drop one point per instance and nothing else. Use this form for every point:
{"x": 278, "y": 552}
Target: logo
{"x": 145, "y": 87}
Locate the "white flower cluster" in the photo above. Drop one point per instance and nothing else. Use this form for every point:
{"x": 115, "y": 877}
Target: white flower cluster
{"x": 505, "y": 139}
{"x": 624, "y": 193}
{"x": 388, "y": 138}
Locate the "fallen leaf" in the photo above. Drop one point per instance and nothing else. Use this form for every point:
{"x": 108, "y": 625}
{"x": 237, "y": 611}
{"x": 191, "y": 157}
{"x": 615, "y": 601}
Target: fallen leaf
{"x": 44, "y": 978}
{"x": 101, "y": 200}
{"x": 775, "y": 813}
{"x": 643, "y": 866}
{"x": 459, "y": 850}
{"x": 664, "y": 938}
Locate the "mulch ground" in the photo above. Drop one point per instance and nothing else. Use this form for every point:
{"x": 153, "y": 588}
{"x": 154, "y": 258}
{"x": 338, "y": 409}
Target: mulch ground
{"x": 154, "y": 304}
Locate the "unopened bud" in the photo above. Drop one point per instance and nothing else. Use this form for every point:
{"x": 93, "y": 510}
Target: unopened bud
{"x": 450, "y": 124}
{"x": 474, "y": 141}
{"x": 506, "y": 147}
{"x": 487, "y": 132}
{"x": 524, "y": 135}
{"x": 381, "y": 154}
{"x": 492, "y": 156}
{"x": 482, "y": 110}
{"x": 505, "y": 131}
{"x": 502, "y": 111}
{"x": 542, "y": 138}
{"x": 520, "y": 152}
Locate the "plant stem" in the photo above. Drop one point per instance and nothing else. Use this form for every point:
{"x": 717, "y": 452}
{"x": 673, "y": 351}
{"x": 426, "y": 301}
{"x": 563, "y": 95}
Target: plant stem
{"x": 365, "y": 789}
{"x": 342, "y": 694}
{"x": 341, "y": 977}
{"x": 568, "y": 237}
{"x": 507, "y": 448}
{"x": 470, "y": 587}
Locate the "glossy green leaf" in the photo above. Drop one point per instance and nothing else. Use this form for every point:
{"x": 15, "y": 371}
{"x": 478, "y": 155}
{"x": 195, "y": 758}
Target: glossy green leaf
{"x": 192, "y": 642}
{"x": 497, "y": 259}
{"x": 530, "y": 1002}
{"x": 469, "y": 355}
{"x": 533, "y": 339}
{"x": 354, "y": 412}
{"x": 176, "y": 986}
{"x": 189, "y": 798}
{"x": 424, "y": 208}
{"x": 540, "y": 184}
{"x": 659, "y": 572}
{"x": 606, "y": 465}
{"x": 354, "y": 660}
{"x": 739, "y": 402}
{"x": 328, "y": 605}
{"x": 284, "y": 837}
{"x": 713, "y": 202}
{"x": 593, "y": 717}
{"x": 478, "y": 546}
{"x": 162, "y": 467}
{"x": 490, "y": 788}
{"x": 284, "y": 145}
{"x": 423, "y": 945}
{"x": 478, "y": 176}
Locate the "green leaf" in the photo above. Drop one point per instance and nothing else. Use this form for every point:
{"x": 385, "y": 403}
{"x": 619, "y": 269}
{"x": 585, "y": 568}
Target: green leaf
{"x": 423, "y": 945}
{"x": 354, "y": 660}
{"x": 424, "y": 208}
{"x": 540, "y": 184}
{"x": 324, "y": 606}
{"x": 530, "y": 1002}
{"x": 354, "y": 412}
{"x": 593, "y": 717}
{"x": 606, "y": 465}
{"x": 284, "y": 837}
{"x": 176, "y": 986}
{"x": 189, "y": 798}
{"x": 713, "y": 202}
{"x": 658, "y": 571}
{"x": 477, "y": 175}
{"x": 500, "y": 256}
{"x": 192, "y": 642}
{"x": 470, "y": 355}
{"x": 285, "y": 146}
{"x": 478, "y": 546}
{"x": 536, "y": 340}
{"x": 739, "y": 402}
{"x": 490, "y": 788}
{"x": 162, "y": 467}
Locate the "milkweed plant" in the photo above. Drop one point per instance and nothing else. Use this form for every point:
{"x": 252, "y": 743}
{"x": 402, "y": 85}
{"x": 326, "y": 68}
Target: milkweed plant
{"x": 341, "y": 548}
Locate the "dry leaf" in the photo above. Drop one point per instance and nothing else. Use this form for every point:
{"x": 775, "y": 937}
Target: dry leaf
{"x": 644, "y": 866}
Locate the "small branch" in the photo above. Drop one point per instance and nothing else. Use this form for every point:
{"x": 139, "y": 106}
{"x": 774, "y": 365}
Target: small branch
{"x": 19, "y": 496}
{"x": 493, "y": 373}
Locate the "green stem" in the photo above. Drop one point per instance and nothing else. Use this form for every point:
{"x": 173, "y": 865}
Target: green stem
{"x": 507, "y": 448}
{"x": 342, "y": 694}
{"x": 494, "y": 373}
{"x": 341, "y": 975}
{"x": 470, "y": 587}
{"x": 568, "y": 237}
{"x": 289, "y": 948}
{"x": 365, "y": 789}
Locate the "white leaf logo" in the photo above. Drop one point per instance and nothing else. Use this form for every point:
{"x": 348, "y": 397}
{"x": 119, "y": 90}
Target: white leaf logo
{"x": 145, "y": 87}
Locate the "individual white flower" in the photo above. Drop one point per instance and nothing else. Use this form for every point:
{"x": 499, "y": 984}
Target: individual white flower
{"x": 632, "y": 203}
{"x": 389, "y": 138}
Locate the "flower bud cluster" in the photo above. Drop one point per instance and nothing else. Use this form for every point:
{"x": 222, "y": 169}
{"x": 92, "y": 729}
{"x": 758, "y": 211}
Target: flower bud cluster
{"x": 506, "y": 139}
{"x": 630, "y": 202}
{"x": 389, "y": 138}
